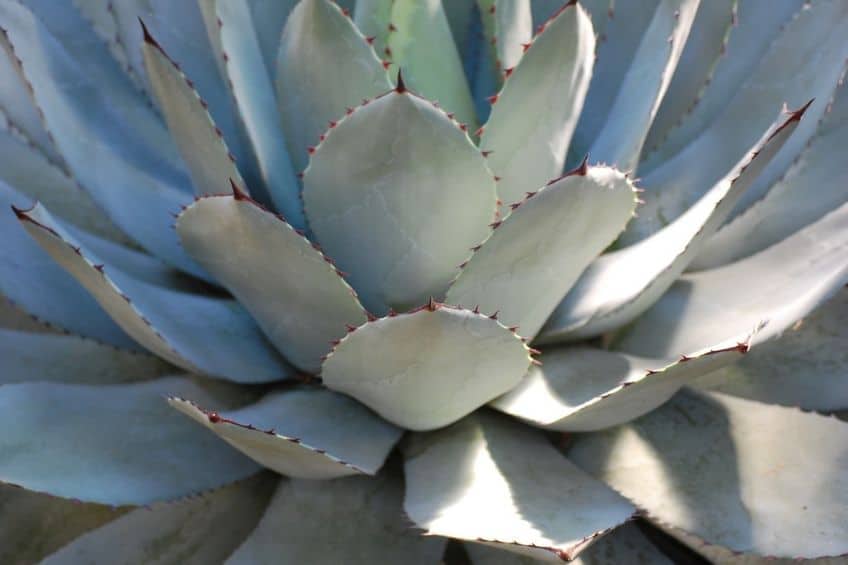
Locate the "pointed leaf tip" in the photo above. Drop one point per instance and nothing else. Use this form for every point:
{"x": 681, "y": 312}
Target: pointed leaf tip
{"x": 238, "y": 193}
{"x": 401, "y": 86}
{"x": 148, "y": 37}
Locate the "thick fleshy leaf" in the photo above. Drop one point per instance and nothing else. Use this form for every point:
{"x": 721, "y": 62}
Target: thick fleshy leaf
{"x": 93, "y": 139}
{"x": 199, "y": 140}
{"x": 292, "y": 289}
{"x": 14, "y": 318}
{"x": 814, "y": 185}
{"x": 427, "y": 368}
{"x": 804, "y": 62}
{"x": 508, "y": 25}
{"x": 538, "y": 252}
{"x": 421, "y": 45}
{"x": 353, "y": 520}
{"x": 489, "y": 480}
{"x": 535, "y": 114}
{"x": 807, "y": 367}
{"x": 203, "y": 529}
{"x": 397, "y": 194}
{"x": 233, "y": 30}
{"x": 625, "y": 544}
{"x": 775, "y": 287}
{"x": 36, "y": 357}
{"x": 373, "y": 17}
{"x": 644, "y": 84}
{"x": 269, "y": 17}
{"x": 17, "y": 108}
{"x": 309, "y": 433}
{"x": 321, "y": 49}
{"x": 756, "y": 26}
{"x": 617, "y": 287}
{"x": 116, "y": 444}
{"x": 751, "y": 477}
{"x": 714, "y": 24}
{"x": 34, "y": 525}
{"x": 581, "y": 389}
{"x": 30, "y": 279}
{"x": 200, "y": 333}
{"x": 24, "y": 167}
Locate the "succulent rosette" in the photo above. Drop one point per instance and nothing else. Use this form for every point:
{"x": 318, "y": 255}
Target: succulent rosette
{"x": 511, "y": 278}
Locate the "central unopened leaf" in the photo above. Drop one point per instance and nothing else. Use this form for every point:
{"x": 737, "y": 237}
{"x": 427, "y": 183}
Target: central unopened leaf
{"x": 397, "y": 194}
{"x": 429, "y": 368}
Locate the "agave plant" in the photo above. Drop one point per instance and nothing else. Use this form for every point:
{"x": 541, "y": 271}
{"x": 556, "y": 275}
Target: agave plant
{"x": 476, "y": 261}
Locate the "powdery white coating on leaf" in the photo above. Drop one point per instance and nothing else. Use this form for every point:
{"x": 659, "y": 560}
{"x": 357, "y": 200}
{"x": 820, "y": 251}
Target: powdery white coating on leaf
{"x": 102, "y": 150}
{"x": 35, "y": 283}
{"x": 751, "y": 477}
{"x": 310, "y": 434}
{"x": 38, "y": 357}
{"x": 581, "y": 389}
{"x": 203, "y": 529}
{"x": 232, "y": 28}
{"x": 198, "y": 139}
{"x": 775, "y": 287}
{"x": 807, "y": 367}
{"x": 705, "y": 49}
{"x": 294, "y": 293}
{"x": 531, "y": 123}
{"x": 117, "y": 444}
{"x": 372, "y": 18}
{"x": 26, "y": 168}
{"x": 619, "y": 286}
{"x": 756, "y": 27}
{"x": 815, "y": 184}
{"x": 421, "y": 45}
{"x": 804, "y": 62}
{"x": 429, "y": 368}
{"x": 397, "y": 195}
{"x": 644, "y": 84}
{"x": 508, "y": 26}
{"x": 625, "y": 544}
{"x": 538, "y": 252}
{"x": 488, "y": 479}
{"x": 320, "y": 50}
{"x": 352, "y": 520}
{"x": 213, "y": 336}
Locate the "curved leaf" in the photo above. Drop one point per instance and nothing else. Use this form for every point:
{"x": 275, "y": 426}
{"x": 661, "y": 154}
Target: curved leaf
{"x": 310, "y": 434}
{"x": 397, "y": 194}
{"x": 814, "y": 185}
{"x": 269, "y": 17}
{"x": 535, "y": 113}
{"x": 775, "y": 287}
{"x": 644, "y": 84}
{"x": 202, "y": 334}
{"x": 34, "y": 525}
{"x": 619, "y": 286}
{"x": 428, "y": 368}
{"x": 321, "y": 49}
{"x": 203, "y": 529}
{"x": 116, "y": 444}
{"x": 292, "y": 289}
{"x": 581, "y": 389}
{"x": 38, "y": 357}
{"x": 421, "y": 45}
{"x": 750, "y": 477}
{"x": 373, "y": 17}
{"x": 199, "y": 140}
{"x": 233, "y": 29}
{"x": 534, "y": 257}
{"x": 807, "y": 367}
{"x": 625, "y": 544}
{"x": 715, "y": 23}
{"x": 349, "y": 520}
{"x": 508, "y": 25}
{"x": 489, "y": 480}
{"x": 92, "y": 138}
{"x": 804, "y": 62}
{"x": 34, "y": 282}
